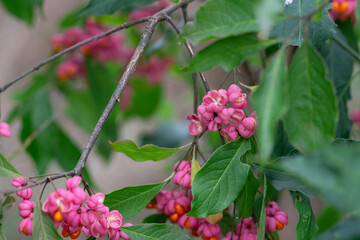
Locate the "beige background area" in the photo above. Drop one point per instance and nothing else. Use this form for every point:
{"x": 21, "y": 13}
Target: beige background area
{"x": 20, "y": 48}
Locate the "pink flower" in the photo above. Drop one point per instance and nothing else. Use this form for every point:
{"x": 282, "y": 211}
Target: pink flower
{"x": 182, "y": 178}
{"x": 80, "y": 195}
{"x": 215, "y": 125}
{"x": 26, "y": 208}
{"x": 208, "y": 230}
{"x": 97, "y": 230}
{"x": 73, "y": 182}
{"x": 25, "y": 226}
{"x": 226, "y": 114}
{"x": 162, "y": 198}
{"x": 236, "y": 118}
{"x": 114, "y": 219}
{"x": 188, "y": 222}
{"x": 155, "y": 68}
{"x": 18, "y": 182}
{"x": 73, "y": 217}
{"x": 230, "y": 133}
{"x": 275, "y": 219}
{"x": 124, "y": 235}
{"x": 25, "y": 194}
{"x": 247, "y": 127}
{"x": 5, "y": 130}
{"x": 205, "y": 114}
{"x": 184, "y": 166}
{"x": 96, "y": 201}
{"x": 61, "y": 200}
{"x": 87, "y": 217}
{"x": 215, "y": 100}
{"x": 248, "y": 227}
{"x": 196, "y": 126}
{"x": 236, "y": 97}
{"x": 343, "y": 10}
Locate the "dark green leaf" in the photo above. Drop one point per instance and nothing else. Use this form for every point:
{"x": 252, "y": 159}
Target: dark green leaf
{"x": 6, "y": 169}
{"x": 156, "y": 218}
{"x": 306, "y": 227}
{"x": 262, "y": 220}
{"x": 22, "y": 9}
{"x": 226, "y": 223}
{"x": 146, "y": 98}
{"x": 227, "y": 53}
{"x": 6, "y": 204}
{"x": 131, "y": 200}
{"x": 155, "y": 232}
{"x": 319, "y": 31}
{"x": 43, "y": 226}
{"x": 270, "y": 103}
{"x": 245, "y": 201}
{"x": 332, "y": 172}
{"x": 104, "y": 7}
{"x": 282, "y": 180}
{"x": 347, "y": 229}
{"x": 340, "y": 65}
{"x": 221, "y": 18}
{"x": 311, "y": 119}
{"x": 327, "y": 218}
{"x": 220, "y": 180}
{"x": 145, "y": 153}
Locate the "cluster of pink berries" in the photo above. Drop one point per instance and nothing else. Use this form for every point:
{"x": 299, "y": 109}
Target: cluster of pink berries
{"x": 177, "y": 204}
{"x": 149, "y": 10}
{"x": 214, "y": 113}
{"x": 5, "y": 130}
{"x": 72, "y": 209}
{"x": 247, "y": 229}
{"x": 343, "y": 10}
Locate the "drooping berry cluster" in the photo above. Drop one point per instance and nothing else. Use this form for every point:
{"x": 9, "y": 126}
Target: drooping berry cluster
{"x": 26, "y": 206}
{"x": 74, "y": 211}
{"x": 214, "y": 113}
{"x": 176, "y": 204}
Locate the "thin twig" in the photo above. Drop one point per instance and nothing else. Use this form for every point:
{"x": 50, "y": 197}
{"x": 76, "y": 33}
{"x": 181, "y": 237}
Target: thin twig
{"x": 190, "y": 49}
{"x": 73, "y": 47}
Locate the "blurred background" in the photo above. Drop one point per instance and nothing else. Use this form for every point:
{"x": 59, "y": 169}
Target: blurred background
{"x": 23, "y": 45}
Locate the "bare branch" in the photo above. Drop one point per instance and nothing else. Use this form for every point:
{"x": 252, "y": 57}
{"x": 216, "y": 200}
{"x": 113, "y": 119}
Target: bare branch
{"x": 69, "y": 49}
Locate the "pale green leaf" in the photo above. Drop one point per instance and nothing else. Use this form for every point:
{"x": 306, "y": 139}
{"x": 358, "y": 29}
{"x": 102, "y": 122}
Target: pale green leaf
{"x": 145, "y": 153}
{"x": 306, "y": 227}
{"x": 270, "y": 103}
{"x": 262, "y": 221}
{"x": 155, "y": 232}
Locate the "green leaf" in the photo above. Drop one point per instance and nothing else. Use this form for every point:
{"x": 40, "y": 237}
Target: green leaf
{"x": 147, "y": 152}
{"x": 270, "y": 102}
{"x": 43, "y": 226}
{"x": 104, "y": 7}
{"x": 327, "y": 218}
{"x": 156, "y": 218}
{"x": 346, "y": 229}
{"x": 319, "y": 31}
{"x": 220, "y": 180}
{"x": 306, "y": 227}
{"x": 22, "y": 9}
{"x": 311, "y": 119}
{"x": 340, "y": 64}
{"x": 332, "y": 172}
{"x": 245, "y": 201}
{"x": 131, "y": 200}
{"x": 262, "y": 220}
{"x": 155, "y": 232}
{"x": 6, "y": 169}
{"x": 226, "y": 223}
{"x": 282, "y": 180}
{"x": 227, "y": 53}
{"x": 221, "y": 18}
